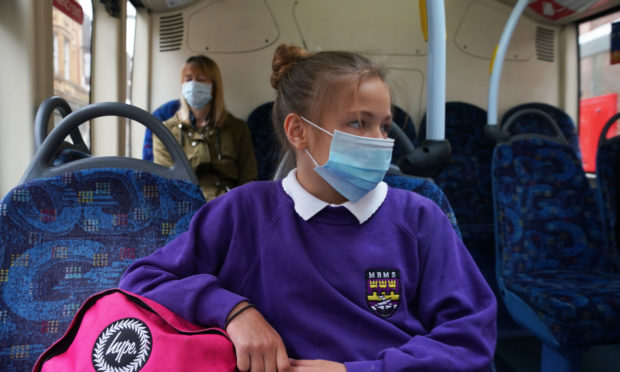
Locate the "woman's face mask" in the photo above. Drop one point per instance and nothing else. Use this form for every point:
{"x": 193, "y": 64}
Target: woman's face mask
{"x": 356, "y": 164}
{"x": 197, "y": 94}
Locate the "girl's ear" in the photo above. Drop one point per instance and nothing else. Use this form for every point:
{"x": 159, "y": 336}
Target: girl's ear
{"x": 296, "y": 131}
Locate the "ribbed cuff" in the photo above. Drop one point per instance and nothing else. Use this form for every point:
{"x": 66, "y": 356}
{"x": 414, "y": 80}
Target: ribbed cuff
{"x": 214, "y": 306}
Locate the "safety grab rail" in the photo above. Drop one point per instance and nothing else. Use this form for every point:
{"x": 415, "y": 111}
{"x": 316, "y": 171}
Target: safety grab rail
{"x": 40, "y": 165}
{"x": 492, "y": 130}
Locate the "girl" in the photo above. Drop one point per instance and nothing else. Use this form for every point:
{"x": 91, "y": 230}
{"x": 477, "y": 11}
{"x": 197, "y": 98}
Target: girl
{"x": 342, "y": 272}
{"x": 217, "y": 144}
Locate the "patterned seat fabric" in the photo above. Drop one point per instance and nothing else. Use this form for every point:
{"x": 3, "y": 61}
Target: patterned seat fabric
{"x": 65, "y": 238}
{"x": 427, "y": 188}
{"x": 550, "y": 241}
{"x": 531, "y": 123}
{"x": 163, "y": 113}
{"x": 581, "y": 307}
{"x": 466, "y": 180}
{"x": 265, "y": 141}
{"x": 607, "y": 179}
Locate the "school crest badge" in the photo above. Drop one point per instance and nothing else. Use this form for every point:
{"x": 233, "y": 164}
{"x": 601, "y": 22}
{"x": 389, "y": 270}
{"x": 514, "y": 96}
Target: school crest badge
{"x": 383, "y": 291}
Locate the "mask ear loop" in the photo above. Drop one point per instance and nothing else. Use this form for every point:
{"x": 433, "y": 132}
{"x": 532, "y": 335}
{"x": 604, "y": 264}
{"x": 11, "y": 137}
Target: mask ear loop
{"x": 319, "y": 128}
{"x": 314, "y": 125}
{"x": 311, "y": 158}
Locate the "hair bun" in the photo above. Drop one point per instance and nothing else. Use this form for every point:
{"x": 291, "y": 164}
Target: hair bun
{"x": 285, "y": 57}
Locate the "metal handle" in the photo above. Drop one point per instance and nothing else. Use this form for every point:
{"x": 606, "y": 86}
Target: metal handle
{"x": 40, "y": 165}
{"x": 42, "y": 118}
{"x": 532, "y": 111}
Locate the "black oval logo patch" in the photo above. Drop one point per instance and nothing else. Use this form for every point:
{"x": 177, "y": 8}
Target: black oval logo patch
{"x": 124, "y": 345}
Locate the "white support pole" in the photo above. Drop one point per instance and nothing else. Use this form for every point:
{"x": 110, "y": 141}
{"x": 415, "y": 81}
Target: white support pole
{"x": 436, "y": 70}
{"x": 498, "y": 60}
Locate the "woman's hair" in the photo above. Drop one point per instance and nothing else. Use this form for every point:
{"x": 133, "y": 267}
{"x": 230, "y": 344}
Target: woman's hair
{"x": 306, "y": 82}
{"x": 207, "y": 66}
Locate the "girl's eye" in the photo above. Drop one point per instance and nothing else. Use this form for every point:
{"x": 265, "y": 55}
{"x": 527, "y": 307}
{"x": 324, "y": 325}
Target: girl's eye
{"x": 356, "y": 125}
{"x": 385, "y": 128}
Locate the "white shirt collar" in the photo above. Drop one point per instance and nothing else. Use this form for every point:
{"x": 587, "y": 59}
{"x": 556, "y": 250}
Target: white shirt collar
{"x": 308, "y": 205}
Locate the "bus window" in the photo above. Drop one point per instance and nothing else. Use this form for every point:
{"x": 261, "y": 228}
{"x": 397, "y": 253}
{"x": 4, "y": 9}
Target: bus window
{"x": 599, "y": 84}
{"x": 71, "y": 58}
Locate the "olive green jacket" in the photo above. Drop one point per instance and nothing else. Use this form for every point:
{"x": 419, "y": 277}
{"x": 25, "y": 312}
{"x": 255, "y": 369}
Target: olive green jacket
{"x": 222, "y": 158}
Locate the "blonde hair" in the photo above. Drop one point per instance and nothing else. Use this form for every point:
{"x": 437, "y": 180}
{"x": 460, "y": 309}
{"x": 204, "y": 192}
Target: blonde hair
{"x": 207, "y": 66}
{"x": 305, "y": 82}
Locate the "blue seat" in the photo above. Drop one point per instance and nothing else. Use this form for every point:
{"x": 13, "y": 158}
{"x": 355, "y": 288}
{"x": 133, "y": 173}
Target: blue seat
{"x": 427, "y": 188}
{"x": 557, "y": 276}
{"x": 162, "y": 113}
{"x": 466, "y": 180}
{"x": 401, "y": 118}
{"x": 531, "y": 122}
{"x": 70, "y": 231}
{"x": 608, "y": 181}
{"x": 264, "y": 140}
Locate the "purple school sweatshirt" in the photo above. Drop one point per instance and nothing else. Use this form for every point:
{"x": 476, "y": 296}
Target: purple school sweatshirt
{"x": 399, "y": 292}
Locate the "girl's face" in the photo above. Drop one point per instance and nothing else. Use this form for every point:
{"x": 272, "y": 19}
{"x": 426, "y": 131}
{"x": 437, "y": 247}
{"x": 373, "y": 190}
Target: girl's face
{"x": 366, "y": 112}
{"x": 191, "y": 72}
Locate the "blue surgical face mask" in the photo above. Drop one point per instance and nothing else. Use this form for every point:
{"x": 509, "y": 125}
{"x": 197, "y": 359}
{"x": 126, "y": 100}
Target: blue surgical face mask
{"x": 356, "y": 164}
{"x": 196, "y": 94}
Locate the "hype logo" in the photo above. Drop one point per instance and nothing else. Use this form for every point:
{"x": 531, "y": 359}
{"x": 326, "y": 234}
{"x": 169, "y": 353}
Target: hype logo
{"x": 124, "y": 345}
{"x": 121, "y": 348}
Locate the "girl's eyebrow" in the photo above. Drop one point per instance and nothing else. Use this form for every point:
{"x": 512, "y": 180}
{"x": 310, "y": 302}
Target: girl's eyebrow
{"x": 368, "y": 113}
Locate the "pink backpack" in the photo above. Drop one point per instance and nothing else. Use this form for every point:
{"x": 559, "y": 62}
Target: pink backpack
{"x": 119, "y": 331}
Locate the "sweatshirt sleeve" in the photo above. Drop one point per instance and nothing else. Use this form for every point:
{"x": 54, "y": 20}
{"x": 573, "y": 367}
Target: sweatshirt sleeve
{"x": 182, "y": 274}
{"x": 453, "y": 302}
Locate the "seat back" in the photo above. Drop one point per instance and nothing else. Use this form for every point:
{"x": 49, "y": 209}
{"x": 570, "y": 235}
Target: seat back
{"x": 67, "y": 237}
{"x": 401, "y": 118}
{"x": 427, "y": 188}
{"x": 466, "y": 180}
{"x": 70, "y": 231}
{"x": 608, "y": 180}
{"x": 533, "y": 122}
{"x": 162, "y": 113}
{"x": 265, "y": 141}
{"x": 546, "y": 213}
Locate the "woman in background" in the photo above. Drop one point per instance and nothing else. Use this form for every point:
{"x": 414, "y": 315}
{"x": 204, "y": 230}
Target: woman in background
{"x": 217, "y": 144}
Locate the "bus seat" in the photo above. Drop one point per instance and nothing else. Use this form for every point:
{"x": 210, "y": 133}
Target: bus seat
{"x": 608, "y": 180}
{"x": 466, "y": 180}
{"x": 67, "y": 151}
{"x": 556, "y": 274}
{"x": 531, "y": 123}
{"x": 162, "y": 113}
{"x": 427, "y": 188}
{"x": 264, "y": 140}
{"x": 68, "y": 232}
{"x": 404, "y": 121}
